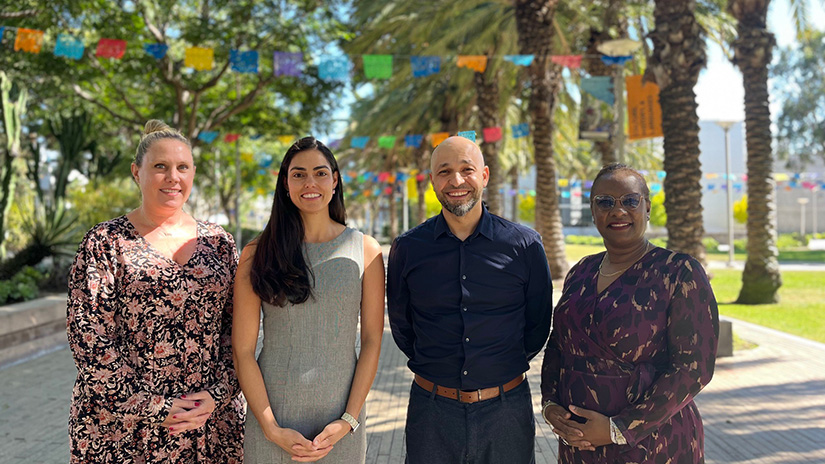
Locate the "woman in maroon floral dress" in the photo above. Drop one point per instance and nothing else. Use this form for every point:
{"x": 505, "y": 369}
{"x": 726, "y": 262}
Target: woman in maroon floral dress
{"x": 634, "y": 340}
{"x": 149, "y": 324}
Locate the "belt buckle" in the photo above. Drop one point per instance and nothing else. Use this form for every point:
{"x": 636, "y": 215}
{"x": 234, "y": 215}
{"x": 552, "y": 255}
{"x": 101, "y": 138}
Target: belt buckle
{"x": 479, "y": 394}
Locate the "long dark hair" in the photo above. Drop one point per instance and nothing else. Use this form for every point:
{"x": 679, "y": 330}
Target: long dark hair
{"x": 279, "y": 271}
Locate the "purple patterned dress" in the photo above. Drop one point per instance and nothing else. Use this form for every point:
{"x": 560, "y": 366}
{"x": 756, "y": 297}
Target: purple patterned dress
{"x": 638, "y": 352}
{"x": 143, "y": 330}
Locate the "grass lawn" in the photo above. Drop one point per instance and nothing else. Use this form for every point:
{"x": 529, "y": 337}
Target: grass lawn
{"x": 800, "y": 311}
{"x": 576, "y": 252}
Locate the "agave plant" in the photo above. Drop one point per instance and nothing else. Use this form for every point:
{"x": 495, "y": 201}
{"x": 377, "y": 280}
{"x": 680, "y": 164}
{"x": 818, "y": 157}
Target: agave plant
{"x": 51, "y": 231}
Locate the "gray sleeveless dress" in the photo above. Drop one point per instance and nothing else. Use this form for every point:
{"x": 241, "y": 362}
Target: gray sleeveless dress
{"x": 308, "y": 356}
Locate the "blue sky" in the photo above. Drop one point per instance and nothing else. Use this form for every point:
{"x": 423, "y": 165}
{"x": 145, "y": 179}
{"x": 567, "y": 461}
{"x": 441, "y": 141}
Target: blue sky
{"x": 719, "y": 93}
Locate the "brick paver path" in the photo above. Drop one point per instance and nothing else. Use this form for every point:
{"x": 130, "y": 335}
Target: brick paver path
{"x": 765, "y": 405}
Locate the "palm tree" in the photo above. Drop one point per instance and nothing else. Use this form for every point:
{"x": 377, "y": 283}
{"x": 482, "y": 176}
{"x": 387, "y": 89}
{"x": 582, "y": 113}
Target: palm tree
{"x": 752, "y": 54}
{"x": 678, "y": 56}
{"x": 534, "y": 19}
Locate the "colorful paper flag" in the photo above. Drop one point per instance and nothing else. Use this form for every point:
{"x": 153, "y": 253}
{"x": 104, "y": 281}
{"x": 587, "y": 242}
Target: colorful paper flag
{"x": 438, "y": 137}
{"x": 334, "y": 144}
{"x": 378, "y": 66}
{"x": 286, "y": 139}
{"x": 570, "y": 61}
{"x": 247, "y": 157}
{"x": 644, "y": 114}
{"x": 229, "y": 138}
{"x": 244, "y": 61}
{"x": 520, "y": 130}
{"x": 199, "y": 58}
{"x": 492, "y": 134}
{"x": 208, "y": 136}
{"x": 413, "y": 140}
{"x": 334, "y": 68}
{"x": 359, "y": 142}
{"x": 28, "y": 40}
{"x": 477, "y": 63}
{"x": 519, "y": 60}
{"x": 287, "y": 63}
{"x": 111, "y": 48}
{"x": 69, "y": 46}
{"x": 386, "y": 141}
{"x": 2, "y": 30}
{"x": 618, "y": 60}
{"x": 423, "y": 66}
{"x": 471, "y": 135}
{"x": 157, "y": 50}
{"x": 600, "y": 87}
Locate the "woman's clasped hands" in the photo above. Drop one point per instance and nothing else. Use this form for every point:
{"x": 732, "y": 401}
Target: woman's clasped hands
{"x": 594, "y": 432}
{"x": 303, "y": 450}
{"x": 189, "y": 412}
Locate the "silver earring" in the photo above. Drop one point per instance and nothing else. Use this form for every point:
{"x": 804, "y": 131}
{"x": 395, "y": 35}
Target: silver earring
{"x": 333, "y": 191}
{"x": 287, "y": 194}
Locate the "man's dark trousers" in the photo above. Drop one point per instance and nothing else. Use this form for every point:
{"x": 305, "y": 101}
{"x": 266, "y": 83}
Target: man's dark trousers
{"x": 445, "y": 431}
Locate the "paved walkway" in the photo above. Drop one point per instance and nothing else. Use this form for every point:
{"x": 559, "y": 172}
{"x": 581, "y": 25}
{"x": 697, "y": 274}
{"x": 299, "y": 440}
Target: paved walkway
{"x": 764, "y": 405}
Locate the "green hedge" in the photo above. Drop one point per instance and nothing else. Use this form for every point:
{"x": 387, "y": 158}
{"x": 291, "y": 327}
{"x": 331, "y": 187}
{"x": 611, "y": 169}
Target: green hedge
{"x": 23, "y": 286}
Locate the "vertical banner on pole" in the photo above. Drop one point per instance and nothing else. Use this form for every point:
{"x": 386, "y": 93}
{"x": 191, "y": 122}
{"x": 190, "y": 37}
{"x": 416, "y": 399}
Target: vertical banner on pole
{"x": 644, "y": 114}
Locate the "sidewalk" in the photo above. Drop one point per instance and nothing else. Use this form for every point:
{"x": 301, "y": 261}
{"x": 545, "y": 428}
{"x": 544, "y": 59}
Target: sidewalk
{"x": 765, "y": 405}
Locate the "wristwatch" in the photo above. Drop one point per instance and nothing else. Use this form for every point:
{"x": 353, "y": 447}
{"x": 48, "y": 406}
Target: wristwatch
{"x": 353, "y": 422}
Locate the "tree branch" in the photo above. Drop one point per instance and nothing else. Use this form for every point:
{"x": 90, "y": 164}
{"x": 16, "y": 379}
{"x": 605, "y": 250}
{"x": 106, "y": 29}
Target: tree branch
{"x": 242, "y": 104}
{"x": 89, "y": 98}
{"x": 18, "y": 14}
{"x": 96, "y": 64}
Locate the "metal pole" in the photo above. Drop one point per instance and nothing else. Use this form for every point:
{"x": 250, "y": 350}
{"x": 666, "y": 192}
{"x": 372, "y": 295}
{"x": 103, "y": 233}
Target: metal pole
{"x": 618, "y": 93}
{"x": 729, "y": 188}
{"x": 405, "y": 205}
{"x": 238, "y": 229}
{"x": 802, "y": 202}
{"x": 813, "y": 210}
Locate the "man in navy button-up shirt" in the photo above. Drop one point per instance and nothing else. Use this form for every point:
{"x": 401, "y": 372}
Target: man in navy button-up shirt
{"x": 469, "y": 301}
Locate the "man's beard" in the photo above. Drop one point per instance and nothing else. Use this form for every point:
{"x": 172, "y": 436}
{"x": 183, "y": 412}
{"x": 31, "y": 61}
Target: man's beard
{"x": 459, "y": 209}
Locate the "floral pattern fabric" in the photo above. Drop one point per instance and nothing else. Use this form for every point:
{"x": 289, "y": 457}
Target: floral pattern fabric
{"x": 144, "y": 330}
{"x": 638, "y": 351}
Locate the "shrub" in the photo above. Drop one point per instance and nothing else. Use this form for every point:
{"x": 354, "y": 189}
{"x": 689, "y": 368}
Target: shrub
{"x": 786, "y": 241}
{"x": 23, "y": 286}
{"x": 710, "y": 244}
{"x": 583, "y": 240}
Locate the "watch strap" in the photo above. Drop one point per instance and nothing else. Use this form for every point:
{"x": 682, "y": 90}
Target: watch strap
{"x": 353, "y": 422}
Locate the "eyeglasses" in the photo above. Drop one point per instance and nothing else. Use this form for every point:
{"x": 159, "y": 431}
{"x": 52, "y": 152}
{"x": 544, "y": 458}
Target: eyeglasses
{"x": 629, "y": 201}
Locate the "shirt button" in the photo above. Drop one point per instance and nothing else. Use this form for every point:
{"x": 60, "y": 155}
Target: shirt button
{"x": 466, "y": 339}
{"x": 464, "y": 277}
{"x": 465, "y": 372}
{"x": 464, "y": 308}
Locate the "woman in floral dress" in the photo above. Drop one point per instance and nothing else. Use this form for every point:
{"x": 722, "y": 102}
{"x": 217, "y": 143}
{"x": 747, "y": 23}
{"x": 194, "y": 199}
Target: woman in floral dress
{"x": 634, "y": 340}
{"x": 149, "y": 324}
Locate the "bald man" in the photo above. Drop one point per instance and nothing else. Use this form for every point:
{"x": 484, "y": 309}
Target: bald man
{"x": 469, "y": 301}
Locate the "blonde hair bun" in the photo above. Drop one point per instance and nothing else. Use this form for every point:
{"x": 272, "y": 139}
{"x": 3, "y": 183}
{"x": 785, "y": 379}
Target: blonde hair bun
{"x": 153, "y": 131}
{"x": 156, "y": 125}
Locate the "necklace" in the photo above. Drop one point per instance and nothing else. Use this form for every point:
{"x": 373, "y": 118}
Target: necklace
{"x": 611, "y": 274}
{"x": 160, "y": 229}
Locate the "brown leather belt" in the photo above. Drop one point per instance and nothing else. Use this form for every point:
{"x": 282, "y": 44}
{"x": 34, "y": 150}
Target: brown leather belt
{"x": 464, "y": 396}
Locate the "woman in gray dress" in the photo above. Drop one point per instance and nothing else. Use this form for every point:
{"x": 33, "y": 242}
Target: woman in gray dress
{"x": 313, "y": 277}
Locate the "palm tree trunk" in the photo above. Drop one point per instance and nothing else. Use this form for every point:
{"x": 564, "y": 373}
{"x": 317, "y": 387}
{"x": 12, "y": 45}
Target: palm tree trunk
{"x": 534, "y": 20}
{"x": 678, "y": 56}
{"x": 486, "y": 85}
{"x": 514, "y": 188}
{"x": 752, "y": 54}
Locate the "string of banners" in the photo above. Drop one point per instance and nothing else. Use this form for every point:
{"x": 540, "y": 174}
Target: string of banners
{"x": 284, "y": 63}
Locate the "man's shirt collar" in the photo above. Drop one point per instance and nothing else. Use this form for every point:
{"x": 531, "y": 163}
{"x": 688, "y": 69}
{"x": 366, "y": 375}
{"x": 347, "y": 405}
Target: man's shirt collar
{"x": 484, "y": 227}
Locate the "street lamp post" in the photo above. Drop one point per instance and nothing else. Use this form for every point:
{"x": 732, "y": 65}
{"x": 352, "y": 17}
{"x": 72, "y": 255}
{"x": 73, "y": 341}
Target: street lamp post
{"x": 726, "y": 125}
{"x": 802, "y": 202}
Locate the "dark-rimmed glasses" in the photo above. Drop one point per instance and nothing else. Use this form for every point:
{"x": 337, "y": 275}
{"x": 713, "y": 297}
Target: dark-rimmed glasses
{"x": 629, "y": 201}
